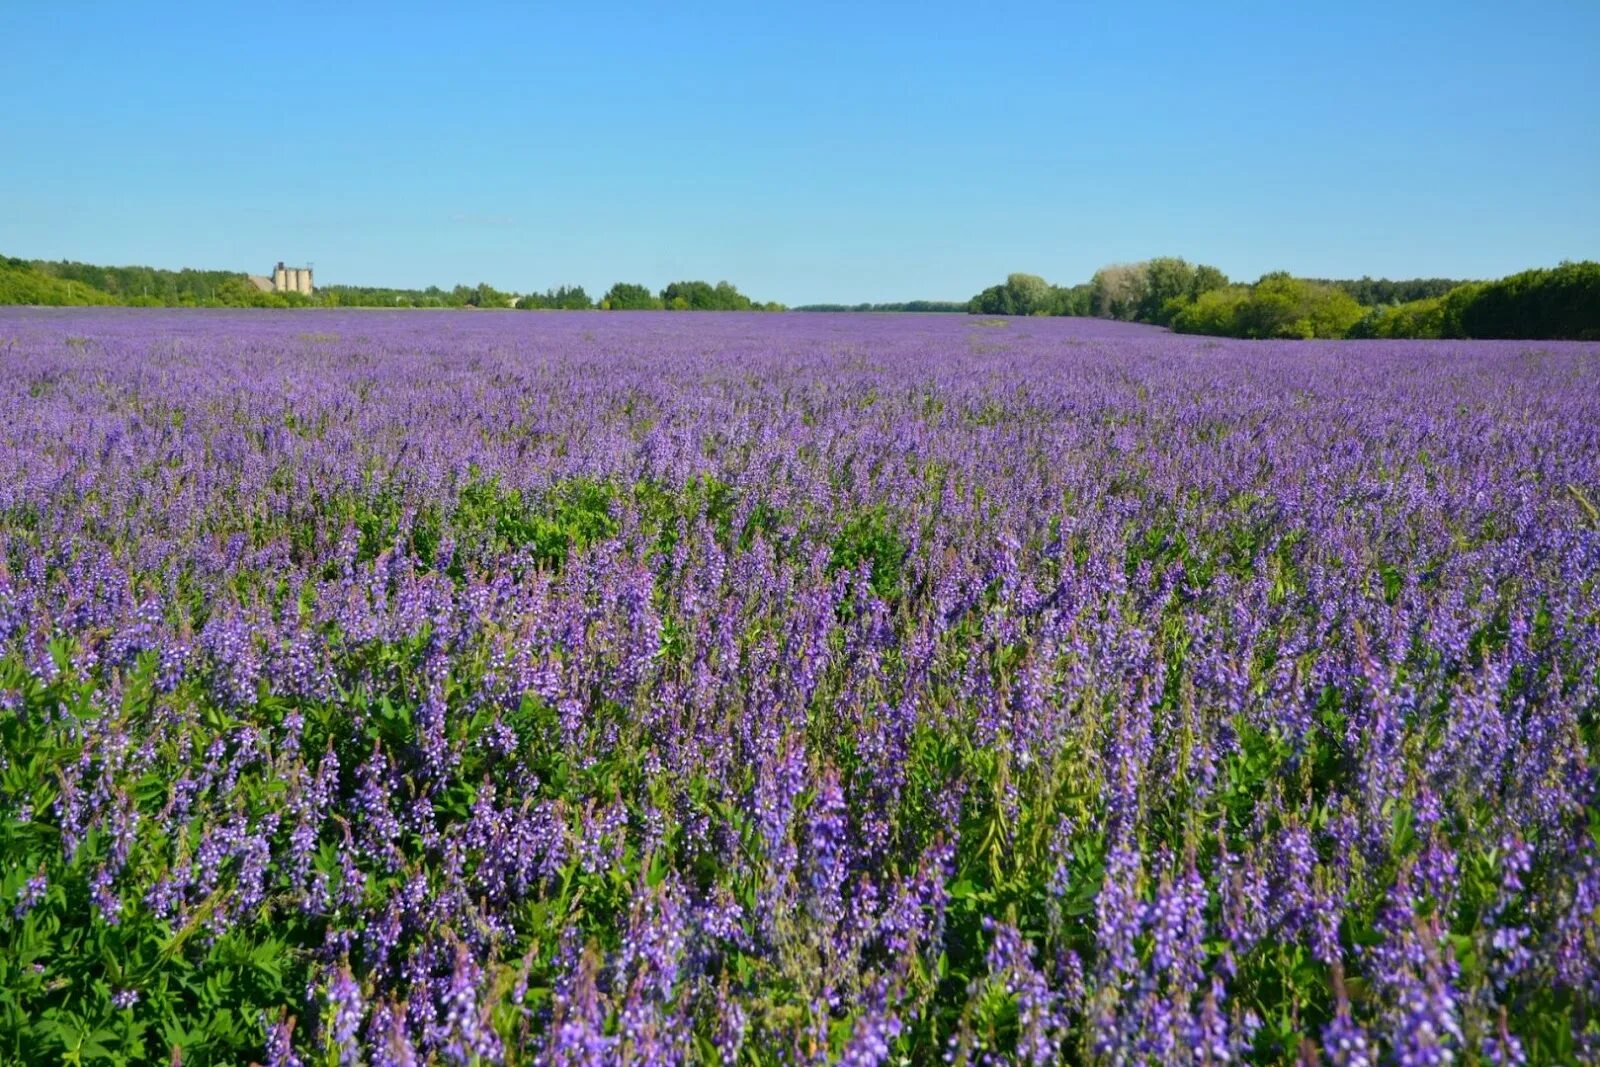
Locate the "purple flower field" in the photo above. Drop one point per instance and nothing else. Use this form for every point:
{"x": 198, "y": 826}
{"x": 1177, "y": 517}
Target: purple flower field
{"x": 475, "y": 688}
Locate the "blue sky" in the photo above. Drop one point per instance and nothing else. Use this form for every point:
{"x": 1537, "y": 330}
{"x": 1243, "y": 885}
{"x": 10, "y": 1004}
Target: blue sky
{"x": 809, "y": 152}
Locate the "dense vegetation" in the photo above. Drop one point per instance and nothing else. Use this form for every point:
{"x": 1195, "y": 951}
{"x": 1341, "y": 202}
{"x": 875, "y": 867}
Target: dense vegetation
{"x": 560, "y": 298}
{"x": 66, "y": 283}
{"x": 913, "y": 306}
{"x": 150, "y": 287}
{"x": 1381, "y": 292}
{"x": 1562, "y": 302}
{"x": 462, "y": 296}
{"x": 1556, "y": 303}
{"x": 1029, "y": 294}
{"x": 627, "y": 296}
{"x": 21, "y": 284}
{"x": 623, "y": 690}
{"x": 1276, "y": 306}
{"x": 703, "y": 296}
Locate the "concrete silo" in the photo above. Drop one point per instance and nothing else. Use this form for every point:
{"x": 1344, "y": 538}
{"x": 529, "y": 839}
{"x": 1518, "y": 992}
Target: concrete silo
{"x": 291, "y": 279}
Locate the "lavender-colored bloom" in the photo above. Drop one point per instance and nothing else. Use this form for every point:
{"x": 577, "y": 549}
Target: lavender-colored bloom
{"x": 828, "y": 849}
{"x": 871, "y": 1039}
{"x": 343, "y": 1015}
{"x": 577, "y": 1034}
{"x": 770, "y": 655}
{"x": 466, "y": 1035}
{"x": 31, "y": 895}
{"x": 1345, "y": 1042}
{"x": 280, "y": 1045}
{"x": 1042, "y": 1020}
{"x": 1503, "y": 1048}
{"x": 387, "y": 1042}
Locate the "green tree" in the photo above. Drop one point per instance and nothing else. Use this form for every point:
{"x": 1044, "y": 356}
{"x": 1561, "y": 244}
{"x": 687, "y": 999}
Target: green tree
{"x": 688, "y": 296}
{"x": 726, "y": 298}
{"x": 1281, "y": 305}
{"x": 21, "y": 284}
{"x": 625, "y": 296}
{"x": 1117, "y": 291}
{"x": 1032, "y": 293}
{"x": 1021, "y": 294}
{"x": 1070, "y": 300}
{"x": 995, "y": 300}
{"x": 1168, "y": 280}
{"x": 1206, "y": 279}
{"x": 1562, "y": 302}
{"x": 703, "y": 296}
{"x": 1214, "y": 312}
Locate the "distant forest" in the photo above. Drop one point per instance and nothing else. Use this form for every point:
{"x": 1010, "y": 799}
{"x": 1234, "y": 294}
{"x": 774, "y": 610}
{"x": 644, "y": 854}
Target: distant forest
{"x": 1555, "y": 303}
{"x": 959, "y": 307}
{"x": 65, "y": 283}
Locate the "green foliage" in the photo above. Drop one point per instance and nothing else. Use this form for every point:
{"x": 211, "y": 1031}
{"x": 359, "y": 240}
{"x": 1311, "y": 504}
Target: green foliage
{"x": 1379, "y": 292}
{"x": 1284, "y": 306}
{"x": 913, "y": 306}
{"x": 703, "y": 296}
{"x": 1215, "y": 313}
{"x": 1416, "y": 318}
{"x": 148, "y": 287}
{"x": 571, "y": 515}
{"x": 1206, "y": 279}
{"x": 62, "y": 283}
{"x": 871, "y": 538}
{"x": 1277, "y": 306}
{"x": 626, "y": 296}
{"x": 1071, "y": 300}
{"x": 378, "y": 296}
{"x": 995, "y": 300}
{"x": 1145, "y": 292}
{"x": 1166, "y": 279}
{"x": 1028, "y": 294}
{"x": 482, "y": 295}
{"x": 1032, "y": 293}
{"x": 21, "y": 284}
{"x": 1563, "y": 302}
{"x": 564, "y": 298}
{"x": 1117, "y": 291}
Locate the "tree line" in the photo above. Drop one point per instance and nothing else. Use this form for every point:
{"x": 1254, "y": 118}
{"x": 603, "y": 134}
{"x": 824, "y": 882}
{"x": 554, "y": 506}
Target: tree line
{"x": 958, "y": 307}
{"x": 65, "y": 283}
{"x": 1557, "y": 302}
{"x": 623, "y": 296}
{"x": 1552, "y": 303}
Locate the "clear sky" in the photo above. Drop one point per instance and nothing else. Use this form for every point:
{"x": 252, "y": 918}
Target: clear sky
{"x": 807, "y": 151}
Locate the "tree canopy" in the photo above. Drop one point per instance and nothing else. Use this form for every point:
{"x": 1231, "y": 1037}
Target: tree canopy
{"x": 1561, "y": 302}
{"x": 627, "y": 296}
{"x": 561, "y": 298}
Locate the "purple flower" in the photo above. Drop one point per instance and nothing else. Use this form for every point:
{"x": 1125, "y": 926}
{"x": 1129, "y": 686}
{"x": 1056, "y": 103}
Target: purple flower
{"x": 280, "y": 1044}
{"x": 31, "y": 895}
{"x": 342, "y": 1015}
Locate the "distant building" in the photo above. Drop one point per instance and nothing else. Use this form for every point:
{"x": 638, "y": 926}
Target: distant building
{"x": 284, "y": 280}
